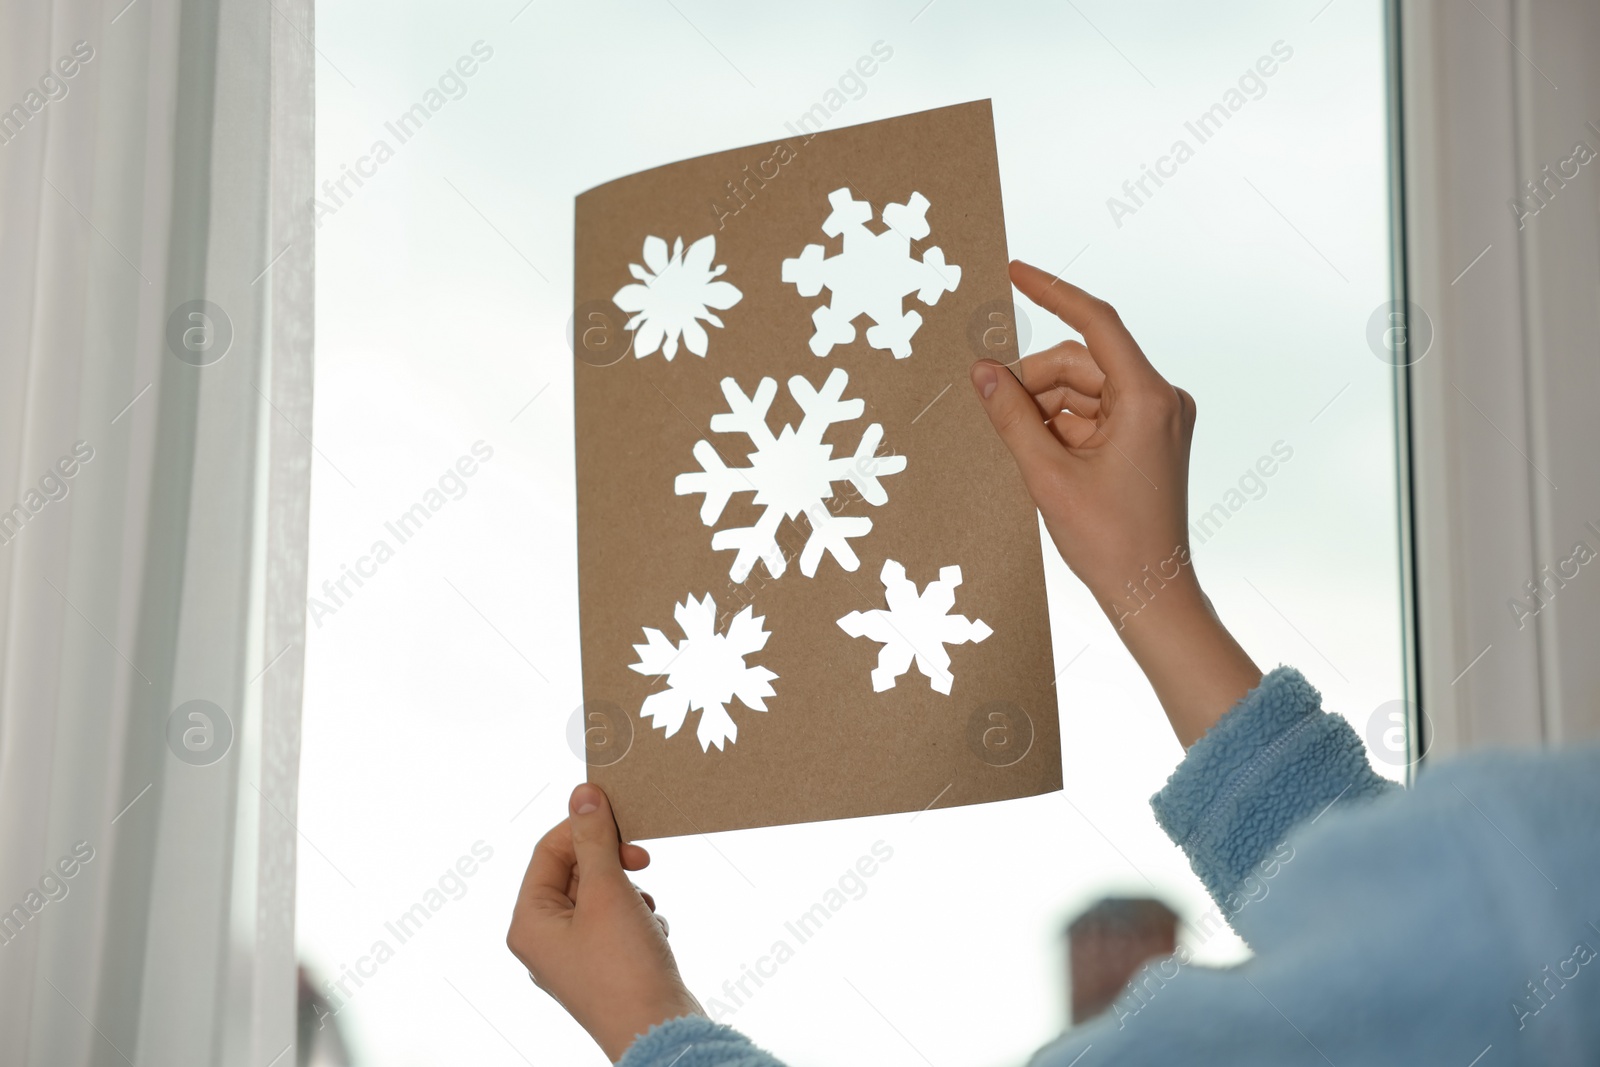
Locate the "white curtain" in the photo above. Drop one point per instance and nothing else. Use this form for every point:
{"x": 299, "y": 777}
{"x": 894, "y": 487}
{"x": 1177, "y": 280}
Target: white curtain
{"x": 155, "y": 412}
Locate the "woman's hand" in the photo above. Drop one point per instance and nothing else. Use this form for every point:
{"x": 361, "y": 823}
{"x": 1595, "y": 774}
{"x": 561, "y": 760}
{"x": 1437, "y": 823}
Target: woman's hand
{"x": 1102, "y": 441}
{"x": 591, "y": 939}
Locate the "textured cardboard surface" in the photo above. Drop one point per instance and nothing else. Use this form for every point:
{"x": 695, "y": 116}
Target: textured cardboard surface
{"x": 828, "y": 747}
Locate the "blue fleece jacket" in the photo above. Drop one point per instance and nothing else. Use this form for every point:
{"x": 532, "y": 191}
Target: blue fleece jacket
{"x": 1456, "y": 923}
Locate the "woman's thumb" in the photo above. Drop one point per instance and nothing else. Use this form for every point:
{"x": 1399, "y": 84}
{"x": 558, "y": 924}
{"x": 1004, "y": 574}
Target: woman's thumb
{"x": 595, "y": 840}
{"x": 1014, "y": 415}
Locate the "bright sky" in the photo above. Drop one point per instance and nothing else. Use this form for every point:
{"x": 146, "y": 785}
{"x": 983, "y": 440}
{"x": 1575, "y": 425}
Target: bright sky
{"x": 437, "y": 696}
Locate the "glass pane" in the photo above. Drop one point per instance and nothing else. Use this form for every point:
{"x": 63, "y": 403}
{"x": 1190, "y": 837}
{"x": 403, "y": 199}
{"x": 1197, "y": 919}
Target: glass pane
{"x": 442, "y": 667}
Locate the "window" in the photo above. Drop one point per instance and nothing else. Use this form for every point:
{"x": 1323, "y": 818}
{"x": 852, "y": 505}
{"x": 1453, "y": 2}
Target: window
{"x": 1250, "y": 265}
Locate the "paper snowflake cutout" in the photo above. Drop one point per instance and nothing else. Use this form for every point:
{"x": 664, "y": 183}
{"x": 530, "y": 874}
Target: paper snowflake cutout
{"x": 915, "y": 627}
{"x": 672, "y": 294}
{"x": 790, "y": 473}
{"x": 704, "y": 671}
{"x": 873, "y": 275}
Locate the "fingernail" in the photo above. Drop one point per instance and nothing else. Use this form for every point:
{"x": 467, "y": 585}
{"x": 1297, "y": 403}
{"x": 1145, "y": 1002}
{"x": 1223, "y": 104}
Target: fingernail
{"x": 983, "y": 379}
{"x": 585, "y": 798}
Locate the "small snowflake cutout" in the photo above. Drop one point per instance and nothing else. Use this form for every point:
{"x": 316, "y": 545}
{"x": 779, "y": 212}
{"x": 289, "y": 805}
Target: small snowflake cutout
{"x": 790, "y": 473}
{"x": 873, "y": 274}
{"x": 915, "y": 627}
{"x": 704, "y": 671}
{"x": 672, "y": 294}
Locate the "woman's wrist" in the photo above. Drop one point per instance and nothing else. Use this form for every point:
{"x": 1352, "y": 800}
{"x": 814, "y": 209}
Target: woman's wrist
{"x": 1159, "y": 585}
{"x": 620, "y": 1033}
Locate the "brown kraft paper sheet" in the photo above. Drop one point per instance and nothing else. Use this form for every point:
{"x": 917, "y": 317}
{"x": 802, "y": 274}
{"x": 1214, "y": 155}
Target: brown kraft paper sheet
{"x": 934, "y": 481}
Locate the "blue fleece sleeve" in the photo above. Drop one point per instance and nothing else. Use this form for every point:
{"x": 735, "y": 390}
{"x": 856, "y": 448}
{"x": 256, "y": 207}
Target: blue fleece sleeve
{"x": 1275, "y": 760}
{"x": 695, "y": 1041}
{"x": 1454, "y": 924}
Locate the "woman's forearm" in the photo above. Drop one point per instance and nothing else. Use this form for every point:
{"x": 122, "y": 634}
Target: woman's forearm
{"x": 1197, "y": 669}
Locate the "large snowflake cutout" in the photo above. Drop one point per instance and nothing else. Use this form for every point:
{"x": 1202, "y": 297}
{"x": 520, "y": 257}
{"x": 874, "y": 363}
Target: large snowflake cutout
{"x": 672, "y": 294}
{"x": 873, "y": 275}
{"x": 704, "y": 671}
{"x": 789, "y": 473}
{"x": 915, "y": 626}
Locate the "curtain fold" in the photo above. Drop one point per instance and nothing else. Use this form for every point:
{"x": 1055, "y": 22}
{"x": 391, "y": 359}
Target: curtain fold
{"x": 155, "y": 412}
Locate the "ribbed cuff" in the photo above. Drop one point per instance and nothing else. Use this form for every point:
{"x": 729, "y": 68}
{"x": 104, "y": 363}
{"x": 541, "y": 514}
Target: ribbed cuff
{"x": 691, "y": 1041}
{"x": 1275, "y": 759}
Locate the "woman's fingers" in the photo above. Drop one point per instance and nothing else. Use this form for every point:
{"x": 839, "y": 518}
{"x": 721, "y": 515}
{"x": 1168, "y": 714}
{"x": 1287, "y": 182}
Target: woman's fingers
{"x": 552, "y": 875}
{"x": 1064, "y": 398}
{"x": 1074, "y": 431}
{"x": 1115, "y": 351}
{"x": 550, "y": 871}
{"x": 1068, "y": 363}
{"x": 1015, "y": 418}
{"x": 595, "y": 840}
